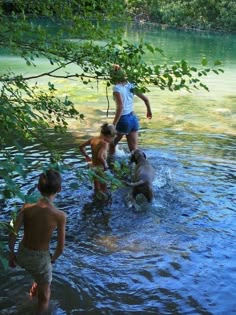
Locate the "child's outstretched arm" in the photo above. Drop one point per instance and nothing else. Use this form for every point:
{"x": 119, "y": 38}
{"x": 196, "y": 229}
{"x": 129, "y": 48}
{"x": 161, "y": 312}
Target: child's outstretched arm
{"x": 83, "y": 150}
{"x": 147, "y": 104}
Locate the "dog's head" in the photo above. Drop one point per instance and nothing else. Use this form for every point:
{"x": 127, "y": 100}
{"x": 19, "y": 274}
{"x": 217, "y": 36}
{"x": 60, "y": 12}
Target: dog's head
{"x": 137, "y": 155}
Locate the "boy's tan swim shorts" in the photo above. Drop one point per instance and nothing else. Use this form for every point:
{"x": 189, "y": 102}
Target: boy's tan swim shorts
{"x": 36, "y": 262}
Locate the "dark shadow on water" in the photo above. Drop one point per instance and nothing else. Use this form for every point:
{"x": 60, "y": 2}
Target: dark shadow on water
{"x": 97, "y": 212}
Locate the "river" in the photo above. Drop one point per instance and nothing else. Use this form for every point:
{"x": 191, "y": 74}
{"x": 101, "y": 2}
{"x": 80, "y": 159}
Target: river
{"x": 176, "y": 255}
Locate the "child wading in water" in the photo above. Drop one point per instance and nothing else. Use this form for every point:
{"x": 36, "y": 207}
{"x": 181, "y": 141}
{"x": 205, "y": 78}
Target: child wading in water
{"x": 99, "y": 147}
{"x": 39, "y": 221}
{"x": 125, "y": 120}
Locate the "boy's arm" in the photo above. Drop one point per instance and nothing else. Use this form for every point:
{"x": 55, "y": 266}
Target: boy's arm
{"x": 12, "y": 237}
{"x": 60, "y": 236}
{"x": 83, "y": 150}
{"x": 147, "y": 103}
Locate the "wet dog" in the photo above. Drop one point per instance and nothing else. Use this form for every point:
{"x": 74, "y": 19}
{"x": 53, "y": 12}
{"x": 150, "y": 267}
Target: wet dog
{"x": 143, "y": 175}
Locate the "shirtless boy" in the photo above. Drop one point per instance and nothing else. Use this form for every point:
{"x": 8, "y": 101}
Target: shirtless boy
{"x": 39, "y": 221}
{"x": 99, "y": 147}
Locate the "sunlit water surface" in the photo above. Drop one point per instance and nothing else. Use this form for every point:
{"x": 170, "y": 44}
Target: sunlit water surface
{"x": 174, "y": 256}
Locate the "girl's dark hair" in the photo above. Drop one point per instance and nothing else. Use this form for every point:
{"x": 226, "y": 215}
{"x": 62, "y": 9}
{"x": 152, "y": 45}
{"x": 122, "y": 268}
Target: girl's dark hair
{"x": 49, "y": 182}
{"x": 108, "y": 130}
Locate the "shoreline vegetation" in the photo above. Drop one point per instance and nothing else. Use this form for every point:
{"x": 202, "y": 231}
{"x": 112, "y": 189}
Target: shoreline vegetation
{"x": 208, "y": 15}
{"x": 183, "y": 28}
{"x": 196, "y": 15}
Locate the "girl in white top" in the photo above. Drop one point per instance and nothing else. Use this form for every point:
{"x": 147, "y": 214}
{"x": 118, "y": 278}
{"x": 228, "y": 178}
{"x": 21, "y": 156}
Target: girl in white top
{"x": 125, "y": 120}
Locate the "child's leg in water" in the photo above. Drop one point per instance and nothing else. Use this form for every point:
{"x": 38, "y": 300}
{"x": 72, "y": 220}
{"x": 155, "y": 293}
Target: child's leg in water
{"x": 33, "y": 290}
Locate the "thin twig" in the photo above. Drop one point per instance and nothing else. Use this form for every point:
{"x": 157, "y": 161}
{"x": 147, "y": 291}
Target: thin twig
{"x": 108, "y": 102}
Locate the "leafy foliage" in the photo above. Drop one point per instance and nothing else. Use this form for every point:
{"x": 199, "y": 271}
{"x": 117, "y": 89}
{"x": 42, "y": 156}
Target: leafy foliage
{"x": 67, "y": 33}
{"x": 203, "y": 14}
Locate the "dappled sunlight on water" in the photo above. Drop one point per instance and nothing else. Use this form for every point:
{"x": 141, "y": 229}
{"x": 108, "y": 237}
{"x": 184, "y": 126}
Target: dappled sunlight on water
{"x": 199, "y": 111}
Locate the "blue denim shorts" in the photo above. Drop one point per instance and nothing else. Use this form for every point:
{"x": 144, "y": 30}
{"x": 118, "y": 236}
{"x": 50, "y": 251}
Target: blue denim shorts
{"x": 127, "y": 123}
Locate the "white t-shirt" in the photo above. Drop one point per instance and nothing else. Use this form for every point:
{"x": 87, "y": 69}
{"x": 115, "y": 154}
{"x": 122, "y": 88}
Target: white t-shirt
{"x": 127, "y": 96}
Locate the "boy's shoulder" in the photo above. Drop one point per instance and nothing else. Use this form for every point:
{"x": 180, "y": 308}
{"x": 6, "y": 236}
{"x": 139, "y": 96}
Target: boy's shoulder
{"x": 60, "y": 215}
{"x": 37, "y": 206}
{"x": 27, "y": 206}
{"x": 58, "y": 212}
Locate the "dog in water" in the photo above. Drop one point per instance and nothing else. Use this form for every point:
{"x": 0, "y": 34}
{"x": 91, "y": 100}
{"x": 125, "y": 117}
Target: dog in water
{"x": 143, "y": 175}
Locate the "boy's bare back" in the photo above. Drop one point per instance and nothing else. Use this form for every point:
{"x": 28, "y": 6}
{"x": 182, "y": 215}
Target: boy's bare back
{"x": 40, "y": 220}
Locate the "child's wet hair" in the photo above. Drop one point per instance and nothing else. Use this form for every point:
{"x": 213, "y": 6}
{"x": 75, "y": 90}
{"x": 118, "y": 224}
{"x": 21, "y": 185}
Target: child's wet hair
{"x": 49, "y": 182}
{"x": 108, "y": 130}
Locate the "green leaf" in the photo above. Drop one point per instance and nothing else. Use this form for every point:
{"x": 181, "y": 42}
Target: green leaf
{"x": 204, "y": 61}
{"x": 150, "y": 47}
{"x": 217, "y": 63}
